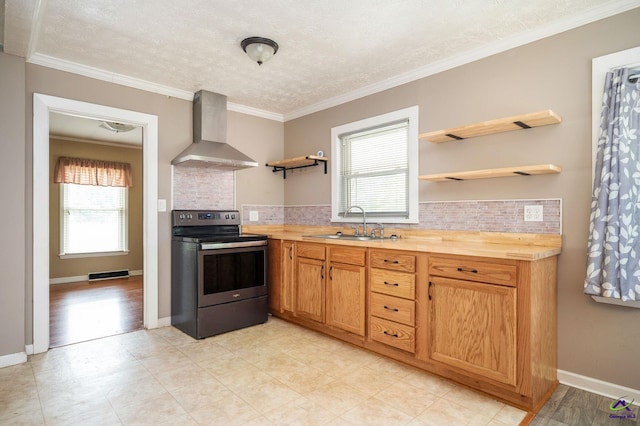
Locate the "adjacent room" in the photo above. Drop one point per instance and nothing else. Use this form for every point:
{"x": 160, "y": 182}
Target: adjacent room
{"x": 95, "y": 225}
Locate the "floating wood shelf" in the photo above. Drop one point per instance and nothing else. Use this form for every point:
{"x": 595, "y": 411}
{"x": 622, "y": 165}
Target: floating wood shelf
{"x": 297, "y": 163}
{"x": 517, "y": 122}
{"x": 541, "y": 169}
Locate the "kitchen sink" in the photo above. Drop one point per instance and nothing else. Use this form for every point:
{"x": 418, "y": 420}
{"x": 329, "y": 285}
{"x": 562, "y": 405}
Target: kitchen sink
{"x": 332, "y": 236}
{"x": 340, "y": 236}
{"x": 357, "y": 237}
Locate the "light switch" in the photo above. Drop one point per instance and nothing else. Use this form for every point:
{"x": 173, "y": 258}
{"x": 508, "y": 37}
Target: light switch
{"x": 162, "y": 205}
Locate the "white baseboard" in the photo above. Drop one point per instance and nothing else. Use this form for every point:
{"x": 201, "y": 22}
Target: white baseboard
{"x": 80, "y": 278}
{"x": 599, "y": 387}
{"x": 28, "y": 349}
{"x": 164, "y": 322}
{"x": 13, "y": 359}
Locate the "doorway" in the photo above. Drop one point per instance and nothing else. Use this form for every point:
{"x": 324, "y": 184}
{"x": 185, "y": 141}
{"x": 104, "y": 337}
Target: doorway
{"x": 43, "y": 105}
{"x": 95, "y": 229}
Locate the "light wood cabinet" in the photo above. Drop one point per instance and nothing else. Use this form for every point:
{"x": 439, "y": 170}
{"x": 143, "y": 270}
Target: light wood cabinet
{"x": 473, "y": 327}
{"x": 330, "y": 285}
{"x": 392, "y": 299}
{"x": 281, "y": 273}
{"x": 310, "y": 281}
{"x": 393, "y": 334}
{"x": 394, "y": 309}
{"x": 346, "y": 286}
{"x": 274, "y": 275}
{"x": 288, "y": 274}
{"x": 493, "y": 324}
{"x": 486, "y": 322}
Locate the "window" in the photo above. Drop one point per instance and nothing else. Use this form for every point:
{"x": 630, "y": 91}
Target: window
{"x": 93, "y": 219}
{"x": 375, "y": 167}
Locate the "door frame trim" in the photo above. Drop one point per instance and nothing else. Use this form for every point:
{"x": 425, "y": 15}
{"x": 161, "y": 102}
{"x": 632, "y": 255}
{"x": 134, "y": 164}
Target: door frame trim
{"x": 42, "y": 106}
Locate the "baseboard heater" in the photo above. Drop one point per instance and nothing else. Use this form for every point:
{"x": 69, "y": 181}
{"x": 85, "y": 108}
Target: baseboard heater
{"x": 108, "y": 275}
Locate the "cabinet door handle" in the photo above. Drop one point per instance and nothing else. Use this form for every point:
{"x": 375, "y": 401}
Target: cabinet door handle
{"x": 291, "y": 252}
{"x": 390, "y": 334}
{"x": 391, "y": 261}
{"x": 391, "y": 284}
{"x": 331, "y": 272}
{"x": 473, "y": 271}
{"x": 390, "y": 309}
{"x": 429, "y": 290}
{"x": 322, "y": 272}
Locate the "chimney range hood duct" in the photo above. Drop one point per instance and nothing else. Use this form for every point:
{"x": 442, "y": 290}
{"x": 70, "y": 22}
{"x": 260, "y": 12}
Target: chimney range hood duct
{"x": 209, "y": 147}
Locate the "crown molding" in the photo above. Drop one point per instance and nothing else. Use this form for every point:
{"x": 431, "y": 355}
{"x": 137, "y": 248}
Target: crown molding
{"x": 592, "y": 15}
{"x": 99, "y": 74}
{"x": 255, "y": 111}
{"x": 136, "y": 83}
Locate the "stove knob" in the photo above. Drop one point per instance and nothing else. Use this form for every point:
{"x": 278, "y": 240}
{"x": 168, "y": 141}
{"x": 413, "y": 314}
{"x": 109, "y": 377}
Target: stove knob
{"x": 227, "y": 216}
{"x": 181, "y": 217}
{"x": 233, "y": 216}
{"x": 189, "y": 216}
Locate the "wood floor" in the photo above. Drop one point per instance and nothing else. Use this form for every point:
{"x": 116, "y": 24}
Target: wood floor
{"x": 89, "y": 310}
{"x": 570, "y": 406}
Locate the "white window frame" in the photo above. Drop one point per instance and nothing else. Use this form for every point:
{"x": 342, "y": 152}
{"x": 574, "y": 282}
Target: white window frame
{"x": 125, "y": 231}
{"x": 411, "y": 114}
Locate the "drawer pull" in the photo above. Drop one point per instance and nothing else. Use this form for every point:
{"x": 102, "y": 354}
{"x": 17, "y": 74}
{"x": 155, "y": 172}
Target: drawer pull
{"x": 390, "y": 334}
{"x": 390, "y": 309}
{"x": 473, "y": 271}
{"x": 391, "y": 284}
{"x": 391, "y": 261}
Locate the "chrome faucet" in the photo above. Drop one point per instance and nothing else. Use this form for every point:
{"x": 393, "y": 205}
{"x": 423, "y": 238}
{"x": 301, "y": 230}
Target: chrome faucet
{"x": 364, "y": 218}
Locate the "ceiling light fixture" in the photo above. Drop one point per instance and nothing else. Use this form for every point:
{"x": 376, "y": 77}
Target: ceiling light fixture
{"x": 117, "y": 127}
{"x": 259, "y": 49}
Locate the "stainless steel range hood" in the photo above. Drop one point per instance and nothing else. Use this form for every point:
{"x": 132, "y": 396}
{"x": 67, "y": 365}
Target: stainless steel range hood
{"x": 209, "y": 147}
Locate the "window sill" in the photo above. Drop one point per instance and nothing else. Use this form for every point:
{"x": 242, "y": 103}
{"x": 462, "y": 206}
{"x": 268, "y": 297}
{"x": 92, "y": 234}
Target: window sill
{"x": 95, "y": 254}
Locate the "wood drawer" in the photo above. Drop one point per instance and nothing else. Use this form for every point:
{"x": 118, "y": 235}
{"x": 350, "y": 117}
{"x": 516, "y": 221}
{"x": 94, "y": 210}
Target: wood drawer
{"x": 311, "y": 251}
{"x": 474, "y": 270}
{"x": 392, "y": 334}
{"x": 396, "y": 284}
{"x": 393, "y": 309}
{"x": 349, "y": 255}
{"x": 384, "y": 259}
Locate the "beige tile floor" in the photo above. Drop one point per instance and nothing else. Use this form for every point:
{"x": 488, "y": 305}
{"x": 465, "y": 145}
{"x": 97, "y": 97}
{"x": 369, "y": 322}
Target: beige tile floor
{"x": 272, "y": 374}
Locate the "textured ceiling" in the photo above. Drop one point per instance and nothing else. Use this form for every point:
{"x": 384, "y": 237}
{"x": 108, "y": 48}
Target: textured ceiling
{"x": 89, "y": 130}
{"x": 329, "y": 49}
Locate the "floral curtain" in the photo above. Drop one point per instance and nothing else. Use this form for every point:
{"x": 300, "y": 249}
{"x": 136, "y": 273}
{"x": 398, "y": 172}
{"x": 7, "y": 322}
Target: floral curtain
{"x": 613, "y": 250}
{"x": 83, "y": 171}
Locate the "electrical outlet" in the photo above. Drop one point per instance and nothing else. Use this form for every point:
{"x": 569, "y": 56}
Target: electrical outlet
{"x": 253, "y": 216}
{"x": 533, "y": 213}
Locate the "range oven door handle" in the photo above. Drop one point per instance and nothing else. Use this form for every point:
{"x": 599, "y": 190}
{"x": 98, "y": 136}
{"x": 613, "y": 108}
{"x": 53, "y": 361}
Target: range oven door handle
{"x": 238, "y": 244}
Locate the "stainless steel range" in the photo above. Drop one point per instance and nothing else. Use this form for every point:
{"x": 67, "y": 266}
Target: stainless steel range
{"x": 218, "y": 274}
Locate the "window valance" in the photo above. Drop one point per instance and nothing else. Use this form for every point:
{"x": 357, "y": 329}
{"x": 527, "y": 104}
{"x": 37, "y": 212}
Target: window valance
{"x": 83, "y": 171}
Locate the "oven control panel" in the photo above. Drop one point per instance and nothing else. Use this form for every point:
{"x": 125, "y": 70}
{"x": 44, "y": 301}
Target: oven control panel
{"x": 204, "y": 217}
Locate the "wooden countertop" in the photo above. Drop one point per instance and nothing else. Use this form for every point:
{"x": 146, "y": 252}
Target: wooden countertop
{"x": 484, "y": 244}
